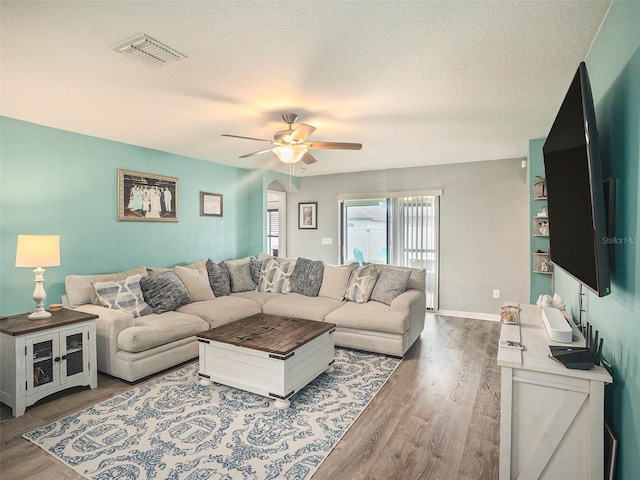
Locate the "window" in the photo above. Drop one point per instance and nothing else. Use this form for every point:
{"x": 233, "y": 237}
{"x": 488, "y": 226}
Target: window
{"x": 397, "y": 229}
{"x": 273, "y": 231}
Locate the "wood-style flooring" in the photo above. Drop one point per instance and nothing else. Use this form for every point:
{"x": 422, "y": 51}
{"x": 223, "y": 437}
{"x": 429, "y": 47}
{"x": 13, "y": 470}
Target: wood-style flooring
{"x": 437, "y": 417}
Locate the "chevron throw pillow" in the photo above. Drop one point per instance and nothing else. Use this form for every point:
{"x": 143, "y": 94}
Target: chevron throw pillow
{"x": 361, "y": 283}
{"x": 274, "y": 276}
{"x": 123, "y": 295}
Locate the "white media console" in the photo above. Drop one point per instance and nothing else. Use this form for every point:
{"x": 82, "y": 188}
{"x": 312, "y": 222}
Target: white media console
{"x": 551, "y": 417}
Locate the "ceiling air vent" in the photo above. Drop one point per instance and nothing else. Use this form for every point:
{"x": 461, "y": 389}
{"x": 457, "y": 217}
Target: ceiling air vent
{"x": 145, "y": 49}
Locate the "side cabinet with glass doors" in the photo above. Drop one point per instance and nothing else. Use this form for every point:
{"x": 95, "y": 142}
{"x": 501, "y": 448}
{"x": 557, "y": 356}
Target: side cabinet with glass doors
{"x": 43, "y": 357}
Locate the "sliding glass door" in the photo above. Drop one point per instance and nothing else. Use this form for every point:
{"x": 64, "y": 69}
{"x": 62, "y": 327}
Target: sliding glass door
{"x": 397, "y": 229}
{"x": 365, "y": 233}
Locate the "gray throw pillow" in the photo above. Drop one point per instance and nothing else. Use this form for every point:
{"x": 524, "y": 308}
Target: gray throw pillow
{"x": 164, "y": 292}
{"x": 256, "y": 268}
{"x": 307, "y": 277}
{"x": 391, "y": 282}
{"x": 218, "y": 278}
{"x": 240, "y": 277}
{"x": 361, "y": 283}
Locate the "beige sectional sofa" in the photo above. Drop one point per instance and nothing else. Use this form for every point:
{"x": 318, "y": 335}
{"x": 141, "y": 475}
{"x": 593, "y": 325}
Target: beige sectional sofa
{"x": 133, "y": 347}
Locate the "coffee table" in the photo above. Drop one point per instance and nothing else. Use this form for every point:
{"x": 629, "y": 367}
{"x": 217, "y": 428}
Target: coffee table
{"x": 270, "y": 355}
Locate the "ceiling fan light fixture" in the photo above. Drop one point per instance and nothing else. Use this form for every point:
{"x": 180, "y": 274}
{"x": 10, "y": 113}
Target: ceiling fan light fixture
{"x": 290, "y": 153}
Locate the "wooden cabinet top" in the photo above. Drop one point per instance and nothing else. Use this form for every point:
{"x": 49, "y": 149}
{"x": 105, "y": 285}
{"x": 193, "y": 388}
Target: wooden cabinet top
{"x": 268, "y": 333}
{"x": 535, "y": 356}
{"x": 20, "y": 324}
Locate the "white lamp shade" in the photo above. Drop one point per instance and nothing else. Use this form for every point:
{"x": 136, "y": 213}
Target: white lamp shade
{"x": 38, "y": 251}
{"x": 290, "y": 153}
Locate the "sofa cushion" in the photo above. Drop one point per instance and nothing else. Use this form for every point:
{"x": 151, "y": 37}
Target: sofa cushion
{"x": 258, "y": 297}
{"x": 80, "y": 290}
{"x": 370, "y": 316}
{"x": 240, "y": 278}
{"x": 361, "y": 283}
{"x": 164, "y": 292}
{"x": 197, "y": 265}
{"x": 334, "y": 281}
{"x": 238, "y": 261}
{"x": 155, "y": 330}
{"x": 153, "y": 271}
{"x": 123, "y": 295}
{"x": 222, "y": 310}
{"x": 196, "y": 281}
{"x": 275, "y": 275}
{"x": 306, "y": 277}
{"x": 391, "y": 282}
{"x": 218, "y": 278}
{"x": 301, "y": 306}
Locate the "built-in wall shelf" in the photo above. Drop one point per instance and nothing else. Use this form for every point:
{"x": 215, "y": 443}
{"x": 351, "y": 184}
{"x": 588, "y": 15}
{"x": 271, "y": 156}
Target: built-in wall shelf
{"x": 542, "y": 263}
{"x": 540, "y": 226}
{"x": 540, "y": 278}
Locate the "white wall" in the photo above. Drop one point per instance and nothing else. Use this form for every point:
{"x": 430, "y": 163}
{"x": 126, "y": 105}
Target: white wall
{"x": 484, "y": 226}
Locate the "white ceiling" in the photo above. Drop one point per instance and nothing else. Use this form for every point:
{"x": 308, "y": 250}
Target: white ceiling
{"x": 417, "y": 83}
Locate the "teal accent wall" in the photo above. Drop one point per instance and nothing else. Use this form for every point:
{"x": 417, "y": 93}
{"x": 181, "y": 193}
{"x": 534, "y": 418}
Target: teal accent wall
{"x": 541, "y": 284}
{"x": 57, "y": 182}
{"x": 614, "y": 69}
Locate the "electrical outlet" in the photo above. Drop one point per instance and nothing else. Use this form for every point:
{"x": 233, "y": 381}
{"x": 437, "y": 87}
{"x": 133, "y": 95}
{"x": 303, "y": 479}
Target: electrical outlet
{"x": 496, "y": 293}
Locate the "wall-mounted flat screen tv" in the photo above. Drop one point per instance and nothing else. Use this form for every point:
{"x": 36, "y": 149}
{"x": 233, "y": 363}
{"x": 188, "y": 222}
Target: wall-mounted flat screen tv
{"x": 578, "y": 236}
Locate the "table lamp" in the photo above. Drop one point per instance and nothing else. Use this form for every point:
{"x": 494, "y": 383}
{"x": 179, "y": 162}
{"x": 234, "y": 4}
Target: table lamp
{"x": 38, "y": 251}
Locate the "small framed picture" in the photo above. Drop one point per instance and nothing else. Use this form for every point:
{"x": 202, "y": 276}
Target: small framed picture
{"x": 210, "y": 204}
{"x": 145, "y": 197}
{"x": 308, "y": 215}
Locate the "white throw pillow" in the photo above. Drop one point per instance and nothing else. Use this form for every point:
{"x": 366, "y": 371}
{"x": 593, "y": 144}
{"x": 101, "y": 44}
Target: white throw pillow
{"x": 196, "y": 281}
{"x": 334, "y": 281}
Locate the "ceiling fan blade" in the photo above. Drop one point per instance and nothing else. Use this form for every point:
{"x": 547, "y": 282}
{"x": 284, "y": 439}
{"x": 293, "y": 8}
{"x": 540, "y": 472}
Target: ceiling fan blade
{"x": 308, "y": 158}
{"x": 259, "y": 152}
{"x": 246, "y": 138}
{"x": 301, "y": 133}
{"x": 333, "y": 146}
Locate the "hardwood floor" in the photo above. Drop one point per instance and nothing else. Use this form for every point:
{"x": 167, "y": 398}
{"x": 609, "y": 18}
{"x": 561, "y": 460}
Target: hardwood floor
{"x": 437, "y": 417}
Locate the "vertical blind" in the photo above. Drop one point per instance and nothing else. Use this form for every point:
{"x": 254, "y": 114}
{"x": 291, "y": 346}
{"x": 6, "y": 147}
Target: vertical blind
{"x": 273, "y": 231}
{"x": 416, "y": 238}
{"x": 413, "y": 232}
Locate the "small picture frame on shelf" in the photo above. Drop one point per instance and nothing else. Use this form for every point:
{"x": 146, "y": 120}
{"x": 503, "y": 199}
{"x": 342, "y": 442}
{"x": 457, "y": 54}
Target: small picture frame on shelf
{"x": 541, "y": 227}
{"x": 540, "y": 188}
{"x": 542, "y": 263}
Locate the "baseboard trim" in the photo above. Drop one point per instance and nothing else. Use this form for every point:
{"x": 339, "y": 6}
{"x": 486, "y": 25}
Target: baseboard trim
{"x": 475, "y": 315}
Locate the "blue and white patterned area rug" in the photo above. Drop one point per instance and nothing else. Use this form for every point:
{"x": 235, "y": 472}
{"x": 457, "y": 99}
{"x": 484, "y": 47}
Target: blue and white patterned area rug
{"x": 174, "y": 428}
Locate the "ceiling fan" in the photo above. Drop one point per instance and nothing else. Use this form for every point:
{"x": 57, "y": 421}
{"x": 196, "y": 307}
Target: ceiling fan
{"x": 291, "y": 145}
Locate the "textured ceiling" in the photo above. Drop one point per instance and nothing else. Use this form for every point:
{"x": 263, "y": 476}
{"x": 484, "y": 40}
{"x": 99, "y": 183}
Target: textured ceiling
{"x": 417, "y": 83}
